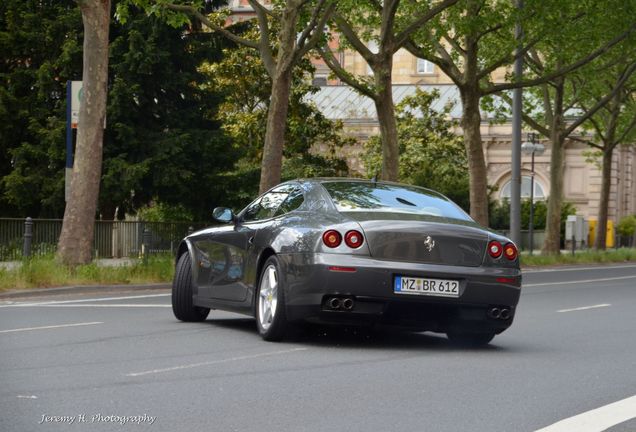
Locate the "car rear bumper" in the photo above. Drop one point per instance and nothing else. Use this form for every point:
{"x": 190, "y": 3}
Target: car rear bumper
{"x": 312, "y": 280}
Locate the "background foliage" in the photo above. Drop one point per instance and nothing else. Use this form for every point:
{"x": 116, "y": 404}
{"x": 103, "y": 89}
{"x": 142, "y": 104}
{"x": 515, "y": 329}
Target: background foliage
{"x": 185, "y": 117}
{"x": 41, "y": 49}
{"x": 245, "y": 86}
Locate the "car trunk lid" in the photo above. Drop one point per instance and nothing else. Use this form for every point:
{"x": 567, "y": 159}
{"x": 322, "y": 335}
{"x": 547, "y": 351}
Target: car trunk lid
{"x": 423, "y": 239}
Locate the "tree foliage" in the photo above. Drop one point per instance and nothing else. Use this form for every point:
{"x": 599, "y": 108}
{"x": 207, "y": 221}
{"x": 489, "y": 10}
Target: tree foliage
{"x": 612, "y": 125}
{"x": 163, "y": 140}
{"x": 245, "y": 86}
{"x": 475, "y": 38}
{"x": 556, "y": 107}
{"x": 288, "y": 30}
{"x": 389, "y": 25}
{"x": 168, "y": 144}
{"x": 41, "y": 49}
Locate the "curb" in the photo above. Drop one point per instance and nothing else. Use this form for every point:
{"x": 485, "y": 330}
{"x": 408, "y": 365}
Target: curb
{"x": 79, "y": 289}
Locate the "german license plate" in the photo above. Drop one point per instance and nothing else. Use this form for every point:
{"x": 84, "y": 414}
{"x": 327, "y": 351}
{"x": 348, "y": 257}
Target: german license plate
{"x": 426, "y": 286}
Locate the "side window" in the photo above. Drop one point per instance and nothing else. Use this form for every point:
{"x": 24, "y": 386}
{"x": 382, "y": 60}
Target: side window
{"x": 293, "y": 201}
{"x": 253, "y": 211}
{"x": 268, "y": 204}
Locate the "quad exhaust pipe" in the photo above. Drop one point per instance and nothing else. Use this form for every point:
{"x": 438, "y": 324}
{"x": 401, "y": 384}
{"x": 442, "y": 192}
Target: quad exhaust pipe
{"x": 499, "y": 313}
{"x": 340, "y": 303}
{"x": 347, "y": 304}
{"x": 334, "y": 303}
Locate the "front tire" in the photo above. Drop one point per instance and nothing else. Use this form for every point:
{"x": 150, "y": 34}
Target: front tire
{"x": 182, "y": 305}
{"x": 271, "y": 320}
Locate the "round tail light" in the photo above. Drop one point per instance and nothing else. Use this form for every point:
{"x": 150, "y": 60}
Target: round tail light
{"x": 495, "y": 249}
{"x": 510, "y": 251}
{"x": 332, "y": 238}
{"x": 354, "y": 239}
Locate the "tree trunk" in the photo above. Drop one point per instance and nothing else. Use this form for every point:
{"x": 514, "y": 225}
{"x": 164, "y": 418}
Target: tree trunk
{"x": 76, "y": 239}
{"x": 552, "y": 242}
{"x": 606, "y": 182}
{"x": 471, "y": 122}
{"x": 272, "y": 162}
{"x": 388, "y": 124}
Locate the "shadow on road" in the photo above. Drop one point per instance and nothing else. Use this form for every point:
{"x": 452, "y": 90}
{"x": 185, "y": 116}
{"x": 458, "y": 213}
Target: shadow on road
{"x": 332, "y": 336}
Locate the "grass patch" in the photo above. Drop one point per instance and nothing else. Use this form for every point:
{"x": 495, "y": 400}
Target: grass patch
{"x": 581, "y": 257}
{"x": 43, "y": 272}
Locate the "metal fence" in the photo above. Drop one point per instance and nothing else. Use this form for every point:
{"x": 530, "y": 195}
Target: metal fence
{"x": 113, "y": 239}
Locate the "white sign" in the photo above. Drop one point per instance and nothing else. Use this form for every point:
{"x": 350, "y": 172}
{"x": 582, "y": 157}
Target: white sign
{"x": 76, "y": 99}
{"x": 77, "y": 93}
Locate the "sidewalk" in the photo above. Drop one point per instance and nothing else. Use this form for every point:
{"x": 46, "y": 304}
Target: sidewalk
{"x": 80, "y": 289}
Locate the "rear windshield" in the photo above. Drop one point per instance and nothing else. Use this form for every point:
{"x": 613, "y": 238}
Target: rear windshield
{"x": 379, "y": 197}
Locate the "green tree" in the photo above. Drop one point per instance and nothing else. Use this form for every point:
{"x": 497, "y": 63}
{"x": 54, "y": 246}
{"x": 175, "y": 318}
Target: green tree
{"x": 244, "y": 83}
{"x": 475, "y": 38}
{"x": 431, "y": 154}
{"x": 301, "y": 24}
{"x": 163, "y": 143}
{"x": 555, "y": 107}
{"x": 613, "y": 125}
{"x": 41, "y": 49}
{"x": 358, "y": 22}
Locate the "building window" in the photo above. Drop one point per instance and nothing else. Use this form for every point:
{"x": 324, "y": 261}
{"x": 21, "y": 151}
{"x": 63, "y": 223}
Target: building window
{"x": 539, "y": 194}
{"x": 319, "y": 81}
{"x": 424, "y": 66}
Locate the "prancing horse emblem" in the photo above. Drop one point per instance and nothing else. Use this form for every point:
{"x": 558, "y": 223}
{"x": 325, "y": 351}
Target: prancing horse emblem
{"x": 430, "y": 243}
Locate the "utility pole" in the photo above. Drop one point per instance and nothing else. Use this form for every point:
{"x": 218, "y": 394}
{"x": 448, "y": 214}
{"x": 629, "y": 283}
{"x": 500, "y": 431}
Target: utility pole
{"x": 515, "y": 184}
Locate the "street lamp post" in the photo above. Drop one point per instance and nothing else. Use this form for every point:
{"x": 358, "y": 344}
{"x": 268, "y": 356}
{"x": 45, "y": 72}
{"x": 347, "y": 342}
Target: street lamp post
{"x": 532, "y": 147}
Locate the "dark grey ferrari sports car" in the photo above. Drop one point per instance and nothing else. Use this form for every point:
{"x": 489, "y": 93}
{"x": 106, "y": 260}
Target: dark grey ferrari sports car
{"x": 351, "y": 251}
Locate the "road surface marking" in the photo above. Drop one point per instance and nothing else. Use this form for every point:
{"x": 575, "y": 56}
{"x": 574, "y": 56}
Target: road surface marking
{"x": 568, "y": 269}
{"x": 213, "y": 362}
{"x": 100, "y": 299}
{"x": 27, "y": 397}
{"x": 579, "y": 281}
{"x": 51, "y": 327}
{"x": 585, "y": 308}
{"x": 597, "y": 420}
{"x": 106, "y": 305}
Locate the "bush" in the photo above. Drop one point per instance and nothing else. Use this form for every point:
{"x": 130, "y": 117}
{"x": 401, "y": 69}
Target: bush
{"x": 627, "y": 226}
{"x": 500, "y": 214}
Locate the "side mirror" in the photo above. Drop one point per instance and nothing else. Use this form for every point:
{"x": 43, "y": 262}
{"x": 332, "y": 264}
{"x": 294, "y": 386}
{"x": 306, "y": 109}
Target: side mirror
{"x": 223, "y": 214}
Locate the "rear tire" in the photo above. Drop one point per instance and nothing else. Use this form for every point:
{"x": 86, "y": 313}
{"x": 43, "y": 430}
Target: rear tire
{"x": 182, "y": 305}
{"x": 271, "y": 320}
{"x": 470, "y": 339}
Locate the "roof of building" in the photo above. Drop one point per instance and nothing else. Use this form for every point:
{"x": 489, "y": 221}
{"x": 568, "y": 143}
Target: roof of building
{"x": 342, "y": 102}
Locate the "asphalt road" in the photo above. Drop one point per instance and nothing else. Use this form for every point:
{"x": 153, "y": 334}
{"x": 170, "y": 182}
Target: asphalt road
{"x": 572, "y": 349}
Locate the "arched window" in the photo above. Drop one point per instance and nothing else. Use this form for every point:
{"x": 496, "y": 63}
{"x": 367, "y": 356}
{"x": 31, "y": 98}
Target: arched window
{"x": 539, "y": 195}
